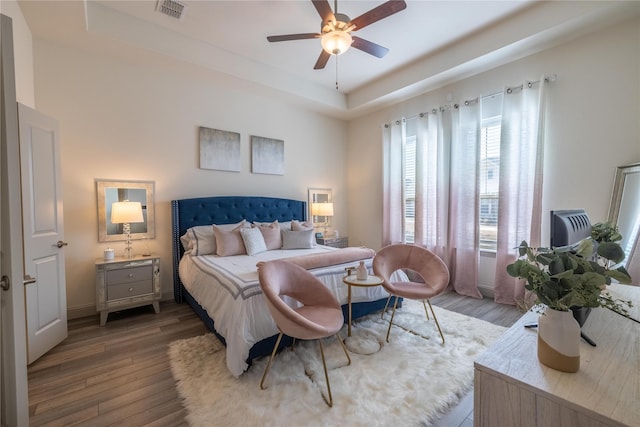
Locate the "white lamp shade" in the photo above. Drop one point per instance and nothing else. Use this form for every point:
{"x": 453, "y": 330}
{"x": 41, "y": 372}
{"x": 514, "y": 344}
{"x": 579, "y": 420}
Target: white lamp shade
{"x": 126, "y": 212}
{"x": 322, "y": 209}
{"x": 336, "y": 42}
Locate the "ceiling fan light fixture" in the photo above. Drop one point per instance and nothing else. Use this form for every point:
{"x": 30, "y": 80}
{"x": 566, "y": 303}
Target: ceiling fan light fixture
{"x": 336, "y": 42}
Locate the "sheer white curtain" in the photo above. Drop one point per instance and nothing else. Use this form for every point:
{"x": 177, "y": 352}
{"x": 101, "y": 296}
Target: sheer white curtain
{"x": 520, "y": 196}
{"x": 433, "y": 156}
{"x": 447, "y": 192}
{"x": 464, "y": 200}
{"x": 447, "y": 199}
{"x": 393, "y": 137}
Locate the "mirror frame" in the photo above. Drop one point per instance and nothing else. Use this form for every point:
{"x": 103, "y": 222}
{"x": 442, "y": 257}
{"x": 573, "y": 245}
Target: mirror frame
{"x": 101, "y": 185}
{"x": 318, "y": 221}
{"x": 622, "y": 173}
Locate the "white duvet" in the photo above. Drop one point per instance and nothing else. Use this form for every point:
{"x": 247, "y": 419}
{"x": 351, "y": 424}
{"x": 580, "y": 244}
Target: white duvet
{"x": 228, "y": 289}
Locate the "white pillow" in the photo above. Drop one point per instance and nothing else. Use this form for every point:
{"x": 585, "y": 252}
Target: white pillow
{"x": 200, "y": 240}
{"x": 298, "y": 239}
{"x": 253, "y": 241}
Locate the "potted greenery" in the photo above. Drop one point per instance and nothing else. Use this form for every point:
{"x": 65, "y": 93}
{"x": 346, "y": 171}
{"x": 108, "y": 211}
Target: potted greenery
{"x": 571, "y": 277}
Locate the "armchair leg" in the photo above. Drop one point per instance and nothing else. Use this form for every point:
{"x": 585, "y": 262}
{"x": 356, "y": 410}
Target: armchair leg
{"x": 346, "y": 353}
{"x": 266, "y": 369}
{"x": 425, "y": 309}
{"x": 385, "y": 307}
{"x": 436, "y": 319}
{"x": 326, "y": 375}
{"x": 393, "y": 313}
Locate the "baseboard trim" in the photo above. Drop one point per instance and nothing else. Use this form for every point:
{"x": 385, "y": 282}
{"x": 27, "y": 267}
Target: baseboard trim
{"x": 82, "y": 311}
{"x": 486, "y": 291}
{"x": 90, "y": 310}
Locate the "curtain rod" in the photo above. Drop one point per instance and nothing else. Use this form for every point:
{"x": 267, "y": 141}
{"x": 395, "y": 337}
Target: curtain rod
{"x": 509, "y": 89}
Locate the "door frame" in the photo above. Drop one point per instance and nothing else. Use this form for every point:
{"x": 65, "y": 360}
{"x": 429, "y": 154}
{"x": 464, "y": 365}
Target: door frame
{"x": 14, "y": 346}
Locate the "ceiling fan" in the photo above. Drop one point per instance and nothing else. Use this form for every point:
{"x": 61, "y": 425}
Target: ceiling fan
{"x": 336, "y": 28}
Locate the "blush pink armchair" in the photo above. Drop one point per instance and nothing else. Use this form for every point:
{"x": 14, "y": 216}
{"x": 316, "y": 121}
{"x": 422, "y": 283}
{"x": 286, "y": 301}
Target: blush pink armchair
{"x": 425, "y": 263}
{"x": 319, "y": 315}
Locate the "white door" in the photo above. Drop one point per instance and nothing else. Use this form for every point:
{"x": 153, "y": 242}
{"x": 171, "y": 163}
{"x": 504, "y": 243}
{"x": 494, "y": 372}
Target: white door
{"x": 13, "y": 360}
{"x": 45, "y": 292}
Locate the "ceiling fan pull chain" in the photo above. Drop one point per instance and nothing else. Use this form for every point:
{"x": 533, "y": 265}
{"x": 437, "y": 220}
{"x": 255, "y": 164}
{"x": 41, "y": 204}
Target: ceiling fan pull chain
{"x": 336, "y": 72}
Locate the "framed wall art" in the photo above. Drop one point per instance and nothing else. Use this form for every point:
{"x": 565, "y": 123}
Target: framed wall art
{"x": 267, "y": 155}
{"x": 219, "y": 150}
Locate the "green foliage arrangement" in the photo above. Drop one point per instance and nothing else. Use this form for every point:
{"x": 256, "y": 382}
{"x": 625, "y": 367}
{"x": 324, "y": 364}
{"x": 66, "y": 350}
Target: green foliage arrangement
{"x": 570, "y": 276}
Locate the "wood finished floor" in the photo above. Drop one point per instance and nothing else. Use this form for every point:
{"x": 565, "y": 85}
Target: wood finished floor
{"x": 119, "y": 374}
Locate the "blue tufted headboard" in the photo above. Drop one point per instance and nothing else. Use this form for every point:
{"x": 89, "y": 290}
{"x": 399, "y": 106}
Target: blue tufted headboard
{"x": 187, "y": 213}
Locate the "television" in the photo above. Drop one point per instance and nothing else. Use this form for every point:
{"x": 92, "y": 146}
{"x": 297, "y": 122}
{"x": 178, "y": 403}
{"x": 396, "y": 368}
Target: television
{"x": 568, "y": 227}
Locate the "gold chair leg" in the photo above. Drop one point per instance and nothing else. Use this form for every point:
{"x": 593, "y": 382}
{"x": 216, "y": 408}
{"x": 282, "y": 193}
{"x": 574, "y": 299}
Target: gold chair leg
{"x": 385, "y": 307}
{"x": 266, "y": 369}
{"x": 346, "y": 353}
{"x": 326, "y": 375}
{"x": 436, "y": 319}
{"x": 393, "y": 313}
{"x": 425, "y": 309}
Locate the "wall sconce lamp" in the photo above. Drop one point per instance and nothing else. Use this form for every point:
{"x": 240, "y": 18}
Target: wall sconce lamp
{"x": 125, "y": 213}
{"x": 323, "y": 209}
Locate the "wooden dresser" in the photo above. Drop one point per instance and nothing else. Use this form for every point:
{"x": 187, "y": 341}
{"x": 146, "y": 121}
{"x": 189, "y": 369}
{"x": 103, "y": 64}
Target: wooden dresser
{"x": 513, "y": 389}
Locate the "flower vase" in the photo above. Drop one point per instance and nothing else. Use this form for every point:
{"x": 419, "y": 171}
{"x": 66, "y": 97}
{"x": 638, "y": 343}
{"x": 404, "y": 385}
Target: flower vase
{"x": 559, "y": 340}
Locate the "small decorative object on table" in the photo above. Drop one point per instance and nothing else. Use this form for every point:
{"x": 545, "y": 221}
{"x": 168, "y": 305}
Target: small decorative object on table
{"x": 361, "y": 271}
{"x": 571, "y": 277}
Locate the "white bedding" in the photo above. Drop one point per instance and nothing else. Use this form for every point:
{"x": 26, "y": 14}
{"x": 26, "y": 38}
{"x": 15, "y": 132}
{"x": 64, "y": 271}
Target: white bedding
{"x": 228, "y": 289}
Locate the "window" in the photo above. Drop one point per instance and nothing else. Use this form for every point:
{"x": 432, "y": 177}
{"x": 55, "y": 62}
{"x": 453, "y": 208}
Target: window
{"x": 409, "y": 190}
{"x": 489, "y": 172}
{"x": 489, "y": 182}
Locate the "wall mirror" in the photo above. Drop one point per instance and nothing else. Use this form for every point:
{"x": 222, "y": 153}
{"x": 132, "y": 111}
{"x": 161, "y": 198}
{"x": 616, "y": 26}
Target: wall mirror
{"x": 625, "y": 209}
{"x": 110, "y": 191}
{"x": 320, "y": 206}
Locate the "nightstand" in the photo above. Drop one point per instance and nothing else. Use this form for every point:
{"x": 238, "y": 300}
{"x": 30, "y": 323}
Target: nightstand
{"x": 334, "y": 242}
{"x": 124, "y": 283}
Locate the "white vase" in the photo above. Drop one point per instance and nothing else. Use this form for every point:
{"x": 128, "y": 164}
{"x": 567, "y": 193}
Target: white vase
{"x": 559, "y": 340}
{"x": 361, "y": 271}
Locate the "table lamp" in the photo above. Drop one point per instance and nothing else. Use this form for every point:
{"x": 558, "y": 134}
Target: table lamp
{"x": 125, "y": 213}
{"x": 323, "y": 209}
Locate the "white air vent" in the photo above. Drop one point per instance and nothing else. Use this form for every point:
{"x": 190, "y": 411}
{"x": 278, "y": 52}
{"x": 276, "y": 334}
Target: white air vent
{"x": 172, "y": 8}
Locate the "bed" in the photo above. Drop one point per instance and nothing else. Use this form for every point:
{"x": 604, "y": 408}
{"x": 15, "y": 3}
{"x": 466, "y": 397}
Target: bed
{"x": 226, "y": 290}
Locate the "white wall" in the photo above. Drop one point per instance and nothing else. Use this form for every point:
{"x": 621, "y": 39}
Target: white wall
{"x": 135, "y": 116}
{"x": 592, "y": 127}
{"x": 22, "y": 51}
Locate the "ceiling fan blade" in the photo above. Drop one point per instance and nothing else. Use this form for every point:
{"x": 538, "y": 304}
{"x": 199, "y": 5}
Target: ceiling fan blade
{"x": 369, "y": 47}
{"x": 378, "y": 13}
{"x": 287, "y": 37}
{"x": 324, "y": 10}
{"x": 322, "y": 60}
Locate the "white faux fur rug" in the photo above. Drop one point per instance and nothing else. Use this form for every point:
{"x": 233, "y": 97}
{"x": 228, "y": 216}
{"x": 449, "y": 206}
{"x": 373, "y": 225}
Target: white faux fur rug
{"x": 409, "y": 382}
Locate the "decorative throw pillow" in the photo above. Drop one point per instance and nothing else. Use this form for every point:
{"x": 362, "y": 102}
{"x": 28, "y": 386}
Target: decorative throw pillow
{"x": 283, "y": 225}
{"x": 200, "y": 240}
{"x": 298, "y": 239}
{"x": 301, "y": 226}
{"x": 253, "y": 241}
{"x": 229, "y": 242}
{"x": 271, "y": 233}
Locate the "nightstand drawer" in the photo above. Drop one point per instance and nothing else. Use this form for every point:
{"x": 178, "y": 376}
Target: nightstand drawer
{"x": 128, "y": 275}
{"x": 132, "y": 289}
